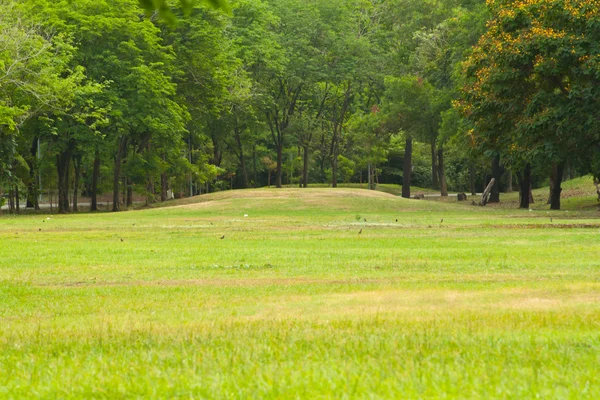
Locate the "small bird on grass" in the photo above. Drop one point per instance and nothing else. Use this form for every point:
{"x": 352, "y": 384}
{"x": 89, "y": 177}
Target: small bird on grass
{"x": 365, "y": 220}
{"x": 396, "y": 219}
{"x": 223, "y": 237}
{"x": 442, "y": 220}
{"x": 40, "y": 229}
{"x": 133, "y": 224}
{"x": 121, "y": 239}
{"x": 550, "y": 219}
{"x": 359, "y": 232}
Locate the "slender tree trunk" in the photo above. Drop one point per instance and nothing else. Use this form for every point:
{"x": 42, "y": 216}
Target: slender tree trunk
{"x": 509, "y": 184}
{"x": 524, "y": 187}
{"x": 530, "y": 193}
{"x": 305, "y": 166}
{"x": 121, "y": 147}
{"x": 442, "y": 172}
{"x": 407, "y": 169}
{"x": 77, "y": 165}
{"x": 164, "y": 186}
{"x": 434, "y": 167}
{"x": 552, "y": 181}
{"x": 497, "y": 171}
{"x": 95, "y": 177}
{"x": 63, "y": 163}
{"x": 279, "y": 171}
{"x": 255, "y": 172}
{"x": 17, "y": 200}
{"x": 32, "y": 188}
{"x": 11, "y": 199}
{"x": 150, "y": 191}
{"x": 334, "y": 163}
{"x": 129, "y": 193}
{"x": 557, "y": 174}
{"x": 238, "y": 139}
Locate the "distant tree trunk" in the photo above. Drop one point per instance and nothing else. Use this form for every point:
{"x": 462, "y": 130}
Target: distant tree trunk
{"x": 129, "y": 193}
{"x": 150, "y": 191}
{"x": 238, "y": 139}
{"x": 557, "y": 174}
{"x": 530, "y": 194}
{"x": 255, "y": 172}
{"x": 77, "y": 165}
{"x": 434, "y": 167}
{"x": 497, "y": 171}
{"x": 442, "y": 173}
{"x": 164, "y": 186}
{"x": 32, "y": 188}
{"x": 305, "y": 166}
{"x": 407, "y": 169}
{"x": 524, "y": 187}
{"x": 472, "y": 178}
{"x": 63, "y": 163}
{"x": 121, "y": 148}
{"x": 509, "y": 183}
{"x": 334, "y": 167}
{"x": 11, "y": 199}
{"x": 279, "y": 170}
{"x": 17, "y": 199}
{"x": 95, "y": 176}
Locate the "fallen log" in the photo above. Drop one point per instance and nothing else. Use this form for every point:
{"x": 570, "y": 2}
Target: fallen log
{"x": 486, "y": 193}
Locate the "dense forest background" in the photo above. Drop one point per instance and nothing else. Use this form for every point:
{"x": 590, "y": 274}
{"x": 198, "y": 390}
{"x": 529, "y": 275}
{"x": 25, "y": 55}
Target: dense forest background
{"x": 104, "y": 97}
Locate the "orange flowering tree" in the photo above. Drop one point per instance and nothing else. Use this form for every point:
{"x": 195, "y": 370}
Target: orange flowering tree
{"x": 533, "y": 84}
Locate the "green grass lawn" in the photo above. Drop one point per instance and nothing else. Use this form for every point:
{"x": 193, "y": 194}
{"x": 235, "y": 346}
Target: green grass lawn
{"x": 294, "y": 303}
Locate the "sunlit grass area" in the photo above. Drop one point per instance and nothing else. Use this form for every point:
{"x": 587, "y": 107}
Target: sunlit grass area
{"x": 318, "y": 293}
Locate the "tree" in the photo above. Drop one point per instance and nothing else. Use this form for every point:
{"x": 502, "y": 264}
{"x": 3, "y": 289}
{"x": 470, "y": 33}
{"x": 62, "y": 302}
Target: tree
{"x": 532, "y": 88}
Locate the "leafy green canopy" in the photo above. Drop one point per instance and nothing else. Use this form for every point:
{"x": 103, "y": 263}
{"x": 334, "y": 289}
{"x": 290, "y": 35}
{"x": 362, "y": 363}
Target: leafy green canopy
{"x": 534, "y": 79}
{"x": 164, "y": 9}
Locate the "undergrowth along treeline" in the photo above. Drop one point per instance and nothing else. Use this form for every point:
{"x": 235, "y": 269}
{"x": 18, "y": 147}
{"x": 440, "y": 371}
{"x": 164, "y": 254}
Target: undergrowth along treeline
{"x": 104, "y": 97}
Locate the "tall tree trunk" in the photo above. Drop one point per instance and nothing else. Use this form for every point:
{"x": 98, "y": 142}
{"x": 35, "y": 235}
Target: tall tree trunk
{"x": 305, "y": 166}
{"x": 95, "y": 177}
{"x": 63, "y": 163}
{"x": 254, "y": 171}
{"x": 557, "y": 174}
{"x": 121, "y": 147}
{"x": 442, "y": 172}
{"x": 407, "y": 169}
{"x": 32, "y": 188}
{"x": 242, "y": 159}
{"x": 509, "y": 183}
{"x": 279, "y": 171}
{"x": 11, "y": 199}
{"x": 17, "y": 199}
{"x": 524, "y": 187}
{"x": 472, "y": 178}
{"x": 129, "y": 193}
{"x": 334, "y": 164}
{"x": 77, "y": 165}
{"x": 497, "y": 171}
{"x": 164, "y": 186}
{"x": 434, "y": 167}
{"x": 150, "y": 191}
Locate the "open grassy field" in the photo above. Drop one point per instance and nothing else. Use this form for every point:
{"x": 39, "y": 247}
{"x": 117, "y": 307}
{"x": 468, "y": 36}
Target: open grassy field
{"x": 317, "y": 293}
